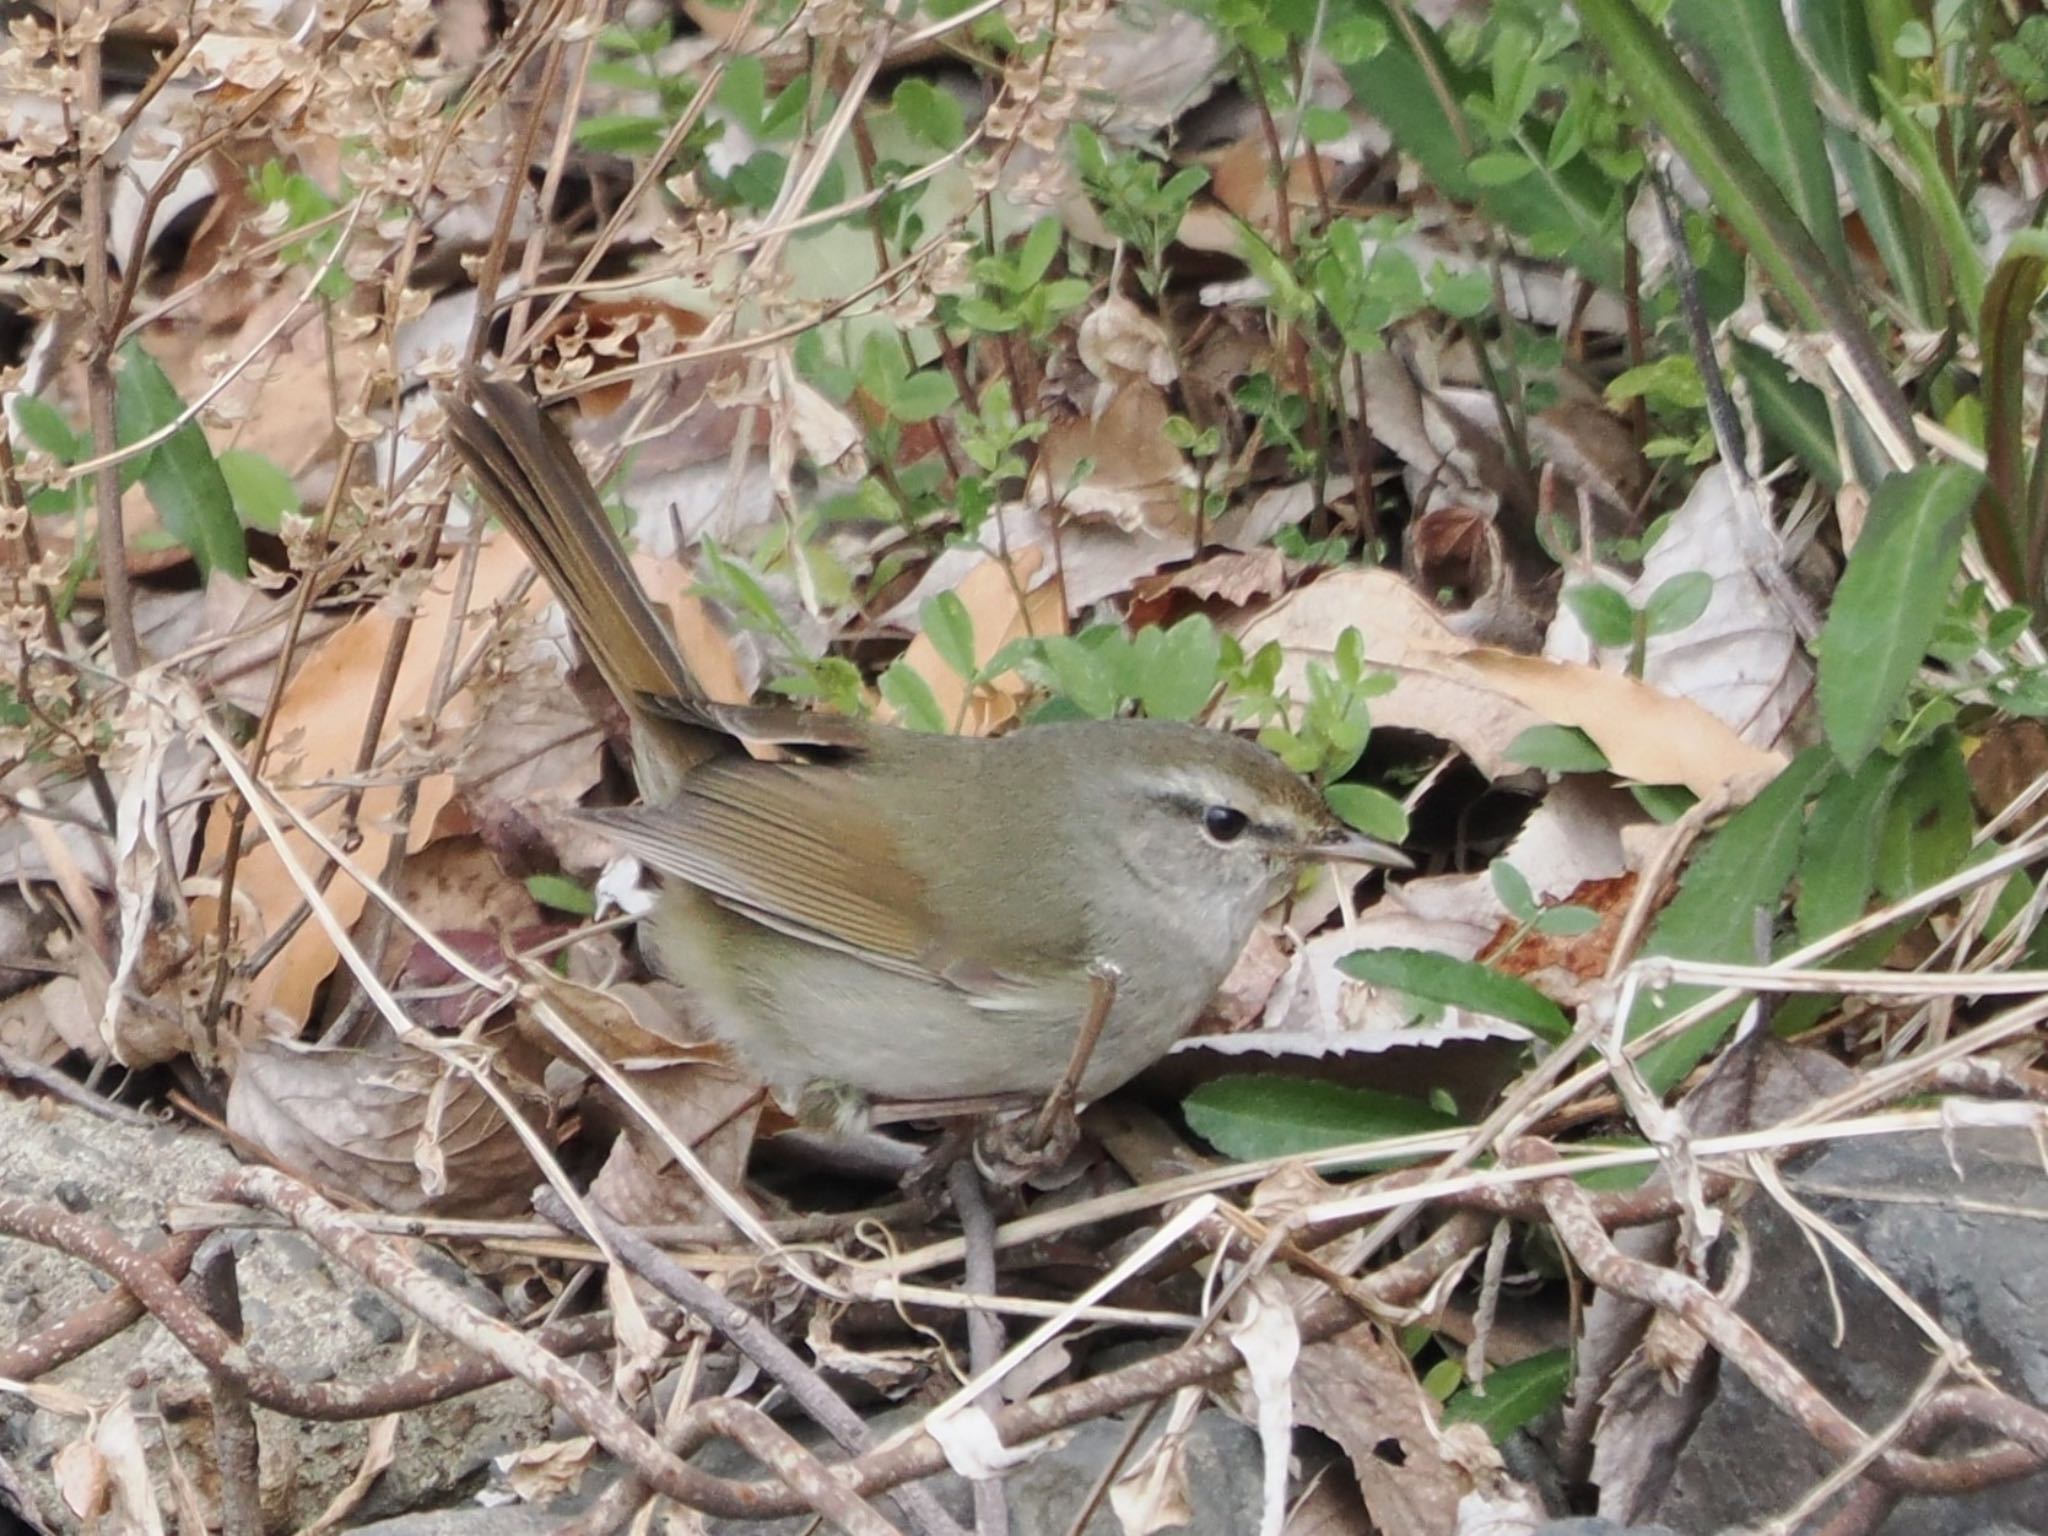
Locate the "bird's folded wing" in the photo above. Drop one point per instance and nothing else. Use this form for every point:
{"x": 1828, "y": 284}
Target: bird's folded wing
{"x": 790, "y": 847}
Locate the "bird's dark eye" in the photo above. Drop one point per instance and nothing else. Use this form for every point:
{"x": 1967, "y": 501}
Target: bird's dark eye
{"x": 1224, "y": 823}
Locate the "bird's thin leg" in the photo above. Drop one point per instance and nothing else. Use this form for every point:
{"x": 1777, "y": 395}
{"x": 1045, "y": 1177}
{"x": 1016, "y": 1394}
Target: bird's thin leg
{"x": 1103, "y": 979}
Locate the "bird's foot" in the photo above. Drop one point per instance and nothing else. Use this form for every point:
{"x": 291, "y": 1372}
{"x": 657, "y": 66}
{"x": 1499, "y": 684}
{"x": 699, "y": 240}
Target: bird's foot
{"x": 1024, "y": 1148}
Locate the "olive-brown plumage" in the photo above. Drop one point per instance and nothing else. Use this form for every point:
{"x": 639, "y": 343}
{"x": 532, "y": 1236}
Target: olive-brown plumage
{"x": 904, "y": 915}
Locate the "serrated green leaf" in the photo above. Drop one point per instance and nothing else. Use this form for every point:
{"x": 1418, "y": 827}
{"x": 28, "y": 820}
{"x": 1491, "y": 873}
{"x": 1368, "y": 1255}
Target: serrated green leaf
{"x": 1889, "y": 601}
{"x": 1259, "y": 1115}
{"x": 1459, "y": 983}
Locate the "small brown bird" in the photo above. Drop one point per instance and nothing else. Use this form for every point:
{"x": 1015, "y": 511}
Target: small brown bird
{"x": 900, "y": 915}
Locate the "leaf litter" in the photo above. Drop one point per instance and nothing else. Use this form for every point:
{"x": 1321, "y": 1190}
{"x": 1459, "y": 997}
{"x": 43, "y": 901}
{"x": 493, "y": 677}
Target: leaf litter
{"x": 811, "y": 528}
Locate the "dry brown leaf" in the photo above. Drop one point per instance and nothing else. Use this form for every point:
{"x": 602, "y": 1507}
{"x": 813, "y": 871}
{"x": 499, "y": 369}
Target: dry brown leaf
{"x": 80, "y": 1473}
{"x": 118, "y": 1439}
{"x": 1480, "y": 698}
{"x": 1118, "y": 341}
{"x": 1645, "y": 733}
{"x": 707, "y": 649}
{"x": 990, "y": 593}
{"x": 690, "y": 1084}
{"x": 367, "y": 1122}
{"x": 1361, "y": 1391}
{"x": 1241, "y": 181}
{"x": 540, "y": 1474}
{"x": 1136, "y": 478}
{"x": 319, "y": 720}
{"x": 1152, "y": 1493}
{"x": 1743, "y": 659}
{"x": 1238, "y": 579}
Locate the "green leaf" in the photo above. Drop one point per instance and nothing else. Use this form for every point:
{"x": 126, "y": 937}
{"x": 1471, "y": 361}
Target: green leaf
{"x": 1557, "y": 749}
{"x": 622, "y": 133}
{"x": 1458, "y": 983}
{"x": 1566, "y": 922}
{"x": 1082, "y": 675}
{"x": 2012, "y": 523}
{"x": 931, "y": 114}
{"x": 562, "y": 894}
{"x": 1838, "y": 35}
{"x": 1838, "y": 864}
{"x": 1742, "y": 872}
{"x": 1574, "y": 210}
{"x": 1664, "y": 802}
{"x": 917, "y": 708}
{"x": 1515, "y": 1394}
{"x": 950, "y": 628}
{"x": 263, "y": 494}
{"x": 1763, "y": 89}
{"x": 744, "y": 90}
{"x": 1603, "y": 613}
{"x": 1938, "y": 200}
{"x": 1174, "y": 670}
{"x": 1927, "y": 825}
{"x": 45, "y": 427}
{"x": 923, "y": 395}
{"x": 1678, "y": 602}
{"x": 1513, "y": 890}
{"x": 1371, "y": 811}
{"x": 1501, "y": 169}
{"x": 1889, "y": 601}
{"x": 185, "y": 485}
{"x": 1743, "y": 193}
{"x": 1037, "y": 252}
{"x": 1259, "y": 1115}
{"x": 1793, "y": 414}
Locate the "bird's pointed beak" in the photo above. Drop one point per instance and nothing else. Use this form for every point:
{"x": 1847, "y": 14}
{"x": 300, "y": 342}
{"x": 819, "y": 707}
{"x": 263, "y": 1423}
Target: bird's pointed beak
{"x": 1348, "y": 847}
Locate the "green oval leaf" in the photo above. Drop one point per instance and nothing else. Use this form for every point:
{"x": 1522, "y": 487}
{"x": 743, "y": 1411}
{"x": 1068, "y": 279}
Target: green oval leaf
{"x": 1459, "y": 984}
{"x": 1514, "y": 1394}
{"x": 1260, "y": 1115}
{"x": 1889, "y": 602}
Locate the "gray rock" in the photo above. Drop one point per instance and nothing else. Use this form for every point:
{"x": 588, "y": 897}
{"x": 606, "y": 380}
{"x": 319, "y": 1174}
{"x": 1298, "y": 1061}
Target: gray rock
{"x": 1972, "y": 1250}
{"x": 302, "y": 1314}
{"x": 1045, "y": 1494}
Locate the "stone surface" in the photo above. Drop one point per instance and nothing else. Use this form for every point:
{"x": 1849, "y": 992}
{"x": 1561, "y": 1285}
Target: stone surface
{"x": 1045, "y": 1494}
{"x": 303, "y": 1314}
{"x": 1972, "y": 1250}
